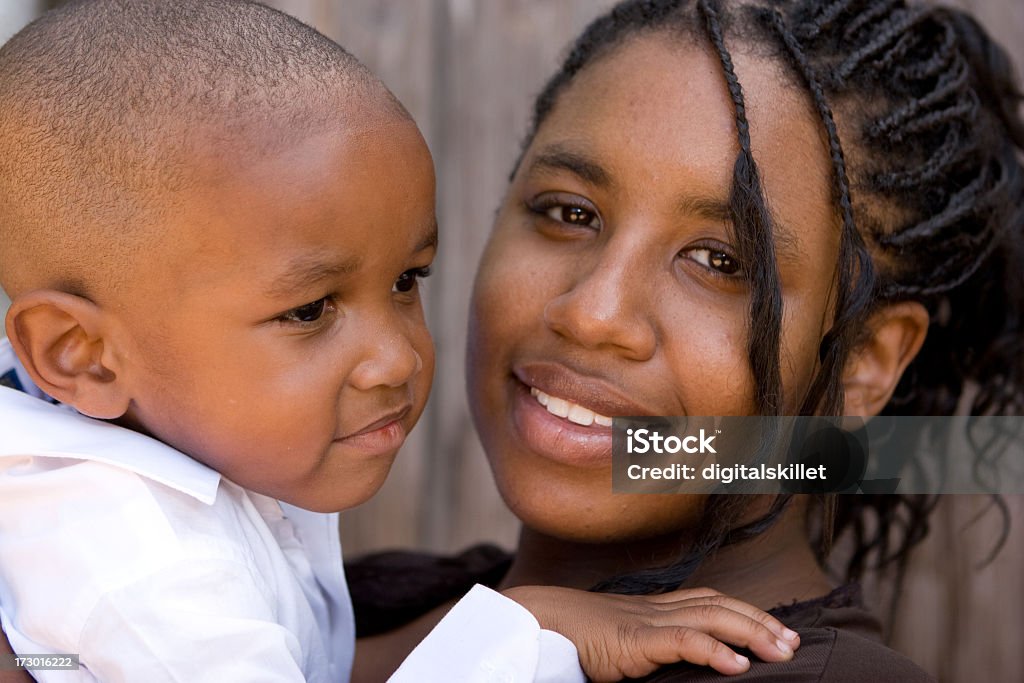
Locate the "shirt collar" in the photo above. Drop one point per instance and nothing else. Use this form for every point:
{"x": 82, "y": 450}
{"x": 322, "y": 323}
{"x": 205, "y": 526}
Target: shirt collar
{"x": 32, "y": 424}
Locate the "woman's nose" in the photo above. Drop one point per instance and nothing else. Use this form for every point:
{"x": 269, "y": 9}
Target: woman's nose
{"x": 609, "y": 308}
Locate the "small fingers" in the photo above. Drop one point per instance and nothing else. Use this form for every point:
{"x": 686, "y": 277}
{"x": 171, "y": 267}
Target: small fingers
{"x": 672, "y": 644}
{"x": 739, "y": 629}
{"x": 788, "y": 638}
{"x": 730, "y": 627}
{"x": 768, "y": 621}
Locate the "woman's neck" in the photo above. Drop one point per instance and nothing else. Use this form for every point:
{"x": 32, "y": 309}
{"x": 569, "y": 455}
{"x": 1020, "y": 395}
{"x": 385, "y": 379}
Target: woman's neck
{"x": 777, "y": 567}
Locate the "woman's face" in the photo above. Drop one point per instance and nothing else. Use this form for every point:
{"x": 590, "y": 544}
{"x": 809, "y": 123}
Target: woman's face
{"x": 610, "y": 285}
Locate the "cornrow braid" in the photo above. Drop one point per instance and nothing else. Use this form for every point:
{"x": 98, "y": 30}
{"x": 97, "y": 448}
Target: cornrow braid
{"x": 825, "y": 18}
{"x": 863, "y": 21}
{"x": 893, "y": 30}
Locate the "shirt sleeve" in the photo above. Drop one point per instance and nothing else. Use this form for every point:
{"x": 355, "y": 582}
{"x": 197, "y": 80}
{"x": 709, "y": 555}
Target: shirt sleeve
{"x": 146, "y": 583}
{"x": 488, "y": 637}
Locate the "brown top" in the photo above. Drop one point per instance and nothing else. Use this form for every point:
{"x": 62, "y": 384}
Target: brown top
{"x": 839, "y": 639}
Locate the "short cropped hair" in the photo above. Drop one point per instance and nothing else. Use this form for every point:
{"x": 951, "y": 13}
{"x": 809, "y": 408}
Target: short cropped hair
{"x": 100, "y": 101}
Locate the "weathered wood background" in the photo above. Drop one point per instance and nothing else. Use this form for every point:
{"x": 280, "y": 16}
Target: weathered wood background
{"x": 467, "y": 71}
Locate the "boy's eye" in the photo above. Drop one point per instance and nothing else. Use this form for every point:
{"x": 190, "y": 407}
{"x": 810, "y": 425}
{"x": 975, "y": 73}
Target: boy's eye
{"x": 307, "y": 313}
{"x": 573, "y": 215}
{"x": 717, "y": 260}
{"x": 407, "y": 280}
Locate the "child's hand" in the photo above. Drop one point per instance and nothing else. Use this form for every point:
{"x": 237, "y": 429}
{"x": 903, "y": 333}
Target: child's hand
{"x": 619, "y": 636}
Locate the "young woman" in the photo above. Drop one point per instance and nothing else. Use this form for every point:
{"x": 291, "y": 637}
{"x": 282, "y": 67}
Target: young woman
{"x": 794, "y": 208}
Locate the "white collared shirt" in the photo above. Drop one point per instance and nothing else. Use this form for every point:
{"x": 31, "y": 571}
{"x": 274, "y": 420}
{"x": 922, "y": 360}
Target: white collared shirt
{"x": 153, "y": 567}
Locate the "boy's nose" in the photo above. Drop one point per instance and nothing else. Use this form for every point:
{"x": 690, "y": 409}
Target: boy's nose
{"x": 389, "y": 360}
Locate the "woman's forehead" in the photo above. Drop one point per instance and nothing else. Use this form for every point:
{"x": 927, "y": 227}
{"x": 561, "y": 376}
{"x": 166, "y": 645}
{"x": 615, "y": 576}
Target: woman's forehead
{"x": 649, "y": 100}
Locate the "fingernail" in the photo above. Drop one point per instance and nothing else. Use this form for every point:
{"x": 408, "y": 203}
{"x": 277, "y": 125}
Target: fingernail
{"x": 789, "y": 634}
{"x": 742, "y": 661}
{"x": 784, "y": 647}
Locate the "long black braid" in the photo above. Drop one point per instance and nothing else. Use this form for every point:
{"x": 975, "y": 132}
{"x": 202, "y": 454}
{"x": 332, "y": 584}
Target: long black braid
{"x": 920, "y": 110}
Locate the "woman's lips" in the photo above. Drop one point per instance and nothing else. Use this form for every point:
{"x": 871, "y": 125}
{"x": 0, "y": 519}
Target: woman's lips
{"x": 580, "y": 386}
{"x": 557, "y": 438}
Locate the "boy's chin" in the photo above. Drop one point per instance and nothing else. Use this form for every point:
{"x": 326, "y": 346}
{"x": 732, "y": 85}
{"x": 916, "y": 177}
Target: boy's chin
{"x": 347, "y": 494}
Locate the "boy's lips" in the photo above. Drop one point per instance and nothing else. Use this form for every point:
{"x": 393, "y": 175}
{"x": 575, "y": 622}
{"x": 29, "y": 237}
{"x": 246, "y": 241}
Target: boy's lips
{"x": 542, "y": 392}
{"x": 383, "y": 435}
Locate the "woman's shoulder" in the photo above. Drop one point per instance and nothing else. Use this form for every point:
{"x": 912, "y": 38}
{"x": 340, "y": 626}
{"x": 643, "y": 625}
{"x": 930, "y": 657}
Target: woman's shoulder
{"x": 839, "y": 638}
{"x": 839, "y": 641}
{"x": 826, "y": 655}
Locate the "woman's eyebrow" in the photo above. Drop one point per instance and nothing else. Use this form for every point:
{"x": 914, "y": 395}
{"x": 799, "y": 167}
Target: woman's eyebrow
{"x": 716, "y": 209}
{"x": 558, "y": 158}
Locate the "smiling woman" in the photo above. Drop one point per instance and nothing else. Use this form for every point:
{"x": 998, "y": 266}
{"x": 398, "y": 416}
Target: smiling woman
{"x": 713, "y": 215}
{"x": 635, "y": 302}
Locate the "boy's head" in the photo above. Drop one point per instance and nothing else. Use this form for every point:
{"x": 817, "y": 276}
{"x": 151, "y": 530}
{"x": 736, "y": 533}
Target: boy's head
{"x": 212, "y": 221}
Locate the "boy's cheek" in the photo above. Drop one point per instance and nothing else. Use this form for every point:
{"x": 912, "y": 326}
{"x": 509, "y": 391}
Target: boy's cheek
{"x": 423, "y": 383}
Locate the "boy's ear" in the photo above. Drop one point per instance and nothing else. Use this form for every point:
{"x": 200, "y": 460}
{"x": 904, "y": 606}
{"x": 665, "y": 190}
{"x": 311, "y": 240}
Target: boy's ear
{"x": 60, "y": 339}
{"x": 895, "y": 335}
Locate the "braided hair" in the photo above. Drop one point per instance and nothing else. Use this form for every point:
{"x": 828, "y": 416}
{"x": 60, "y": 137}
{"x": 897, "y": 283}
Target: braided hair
{"x": 921, "y": 113}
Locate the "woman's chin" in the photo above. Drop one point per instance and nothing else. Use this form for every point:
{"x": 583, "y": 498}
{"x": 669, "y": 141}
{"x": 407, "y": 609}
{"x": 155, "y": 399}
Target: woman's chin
{"x": 577, "y": 513}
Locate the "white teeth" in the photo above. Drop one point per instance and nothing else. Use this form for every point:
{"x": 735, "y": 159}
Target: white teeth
{"x": 581, "y": 416}
{"x": 558, "y": 406}
{"x": 541, "y": 397}
{"x": 575, "y": 413}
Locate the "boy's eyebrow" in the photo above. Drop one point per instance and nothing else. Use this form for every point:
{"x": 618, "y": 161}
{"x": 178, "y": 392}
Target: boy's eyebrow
{"x": 430, "y": 239}
{"x": 558, "y": 158}
{"x": 309, "y": 269}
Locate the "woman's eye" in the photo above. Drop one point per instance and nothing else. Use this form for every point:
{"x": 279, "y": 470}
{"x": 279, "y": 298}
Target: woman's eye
{"x": 715, "y": 259}
{"x": 406, "y": 282}
{"x": 573, "y": 215}
{"x": 307, "y": 313}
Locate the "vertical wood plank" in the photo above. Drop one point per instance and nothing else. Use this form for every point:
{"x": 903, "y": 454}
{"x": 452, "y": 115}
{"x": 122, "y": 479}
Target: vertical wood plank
{"x": 956, "y": 618}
